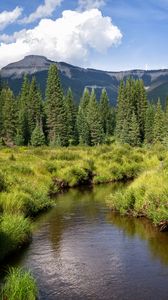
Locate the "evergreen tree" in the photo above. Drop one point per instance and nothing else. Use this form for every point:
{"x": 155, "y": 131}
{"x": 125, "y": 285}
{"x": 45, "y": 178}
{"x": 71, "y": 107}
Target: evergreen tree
{"x": 158, "y": 128}
{"x": 71, "y": 118}
{"x": 37, "y": 137}
{"x": 23, "y": 133}
{"x": 134, "y": 133}
{"x": 82, "y": 122}
{"x": 120, "y": 116}
{"x": 9, "y": 116}
{"x": 105, "y": 113}
{"x": 34, "y": 106}
{"x": 141, "y": 107}
{"x": 1, "y": 111}
{"x": 149, "y": 122}
{"x": 94, "y": 121}
{"x": 55, "y": 109}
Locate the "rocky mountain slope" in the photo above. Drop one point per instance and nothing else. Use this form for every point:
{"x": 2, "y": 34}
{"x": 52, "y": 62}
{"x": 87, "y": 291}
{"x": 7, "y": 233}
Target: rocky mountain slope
{"x": 156, "y": 82}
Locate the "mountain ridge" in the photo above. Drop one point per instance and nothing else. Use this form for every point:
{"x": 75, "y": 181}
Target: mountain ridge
{"x": 78, "y": 78}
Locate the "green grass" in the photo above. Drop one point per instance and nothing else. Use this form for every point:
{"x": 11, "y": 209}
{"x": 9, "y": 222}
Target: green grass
{"x": 145, "y": 196}
{"x": 15, "y": 230}
{"x": 19, "y": 285}
{"x": 29, "y": 176}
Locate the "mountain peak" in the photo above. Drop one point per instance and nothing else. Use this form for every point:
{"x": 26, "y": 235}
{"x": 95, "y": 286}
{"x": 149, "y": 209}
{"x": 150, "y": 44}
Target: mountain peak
{"x": 30, "y": 64}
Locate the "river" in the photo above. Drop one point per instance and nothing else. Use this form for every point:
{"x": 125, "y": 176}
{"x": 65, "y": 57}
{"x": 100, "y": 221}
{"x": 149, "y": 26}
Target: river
{"x": 81, "y": 250}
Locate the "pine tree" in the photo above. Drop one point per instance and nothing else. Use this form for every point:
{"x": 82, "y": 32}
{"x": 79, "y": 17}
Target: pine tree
{"x": 149, "y": 123}
{"x": 120, "y": 116}
{"x": 34, "y": 106}
{"x": 94, "y": 121}
{"x": 159, "y": 126}
{"x": 1, "y": 111}
{"x": 55, "y": 109}
{"x": 9, "y": 116}
{"x": 82, "y": 122}
{"x": 23, "y": 133}
{"x": 105, "y": 113}
{"x": 141, "y": 107}
{"x": 37, "y": 137}
{"x": 134, "y": 133}
{"x": 71, "y": 118}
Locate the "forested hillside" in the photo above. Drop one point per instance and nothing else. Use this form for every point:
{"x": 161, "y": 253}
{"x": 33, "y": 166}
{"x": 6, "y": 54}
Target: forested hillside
{"x": 56, "y": 120}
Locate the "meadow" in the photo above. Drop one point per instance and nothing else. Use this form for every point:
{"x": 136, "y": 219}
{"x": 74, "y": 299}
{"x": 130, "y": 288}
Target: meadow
{"x": 30, "y": 178}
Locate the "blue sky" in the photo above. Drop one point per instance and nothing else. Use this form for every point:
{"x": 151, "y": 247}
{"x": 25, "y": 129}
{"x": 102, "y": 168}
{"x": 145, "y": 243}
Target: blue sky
{"x": 104, "y": 34}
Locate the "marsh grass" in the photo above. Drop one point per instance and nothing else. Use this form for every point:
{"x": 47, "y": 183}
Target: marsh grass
{"x": 29, "y": 176}
{"x": 19, "y": 285}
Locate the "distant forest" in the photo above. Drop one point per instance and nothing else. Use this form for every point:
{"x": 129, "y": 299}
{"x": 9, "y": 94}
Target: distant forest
{"x": 57, "y": 121}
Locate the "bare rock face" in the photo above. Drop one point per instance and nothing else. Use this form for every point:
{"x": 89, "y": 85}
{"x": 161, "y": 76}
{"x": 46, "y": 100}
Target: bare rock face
{"x": 29, "y": 65}
{"x": 156, "y": 81}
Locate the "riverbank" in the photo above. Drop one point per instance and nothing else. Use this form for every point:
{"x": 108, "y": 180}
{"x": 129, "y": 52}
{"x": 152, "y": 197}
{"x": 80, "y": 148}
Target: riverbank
{"x": 31, "y": 176}
{"x": 147, "y": 195}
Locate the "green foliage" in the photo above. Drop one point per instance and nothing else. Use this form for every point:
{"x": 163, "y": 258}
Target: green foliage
{"x": 82, "y": 122}
{"x": 19, "y": 285}
{"x": 158, "y": 127}
{"x": 9, "y": 116}
{"x": 55, "y": 109}
{"x": 131, "y": 112}
{"x": 94, "y": 121}
{"x": 71, "y": 118}
{"x": 37, "y": 137}
{"x": 15, "y": 230}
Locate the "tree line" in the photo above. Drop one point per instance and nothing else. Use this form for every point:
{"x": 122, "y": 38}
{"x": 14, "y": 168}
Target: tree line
{"x": 29, "y": 120}
{"x": 57, "y": 121}
{"x": 139, "y": 121}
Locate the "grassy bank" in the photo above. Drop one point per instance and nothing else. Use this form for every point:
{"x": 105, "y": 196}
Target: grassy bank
{"x": 147, "y": 195}
{"x": 19, "y": 285}
{"x": 30, "y": 176}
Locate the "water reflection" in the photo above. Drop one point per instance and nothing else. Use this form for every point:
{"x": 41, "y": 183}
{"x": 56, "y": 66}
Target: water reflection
{"x": 143, "y": 229}
{"x": 81, "y": 250}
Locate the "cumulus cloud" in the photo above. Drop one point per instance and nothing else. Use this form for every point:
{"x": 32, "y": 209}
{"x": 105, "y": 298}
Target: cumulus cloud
{"x": 42, "y": 11}
{"x": 9, "y": 17}
{"x": 70, "y": 38}
{"x": 88, "y": 4}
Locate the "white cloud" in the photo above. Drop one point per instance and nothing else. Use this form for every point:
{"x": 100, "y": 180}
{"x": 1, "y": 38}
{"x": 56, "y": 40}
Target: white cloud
{"x": 70, "y": 38}
{"x": 9, "y": 17}
{"x": 42, "y": 11}
{"x": 88, "y": 4}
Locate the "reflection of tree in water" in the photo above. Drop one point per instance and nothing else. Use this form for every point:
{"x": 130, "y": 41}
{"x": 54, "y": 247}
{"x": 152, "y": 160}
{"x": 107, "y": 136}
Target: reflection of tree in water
{"x": 84, "y": 204}
{"x": 145, "y": 230}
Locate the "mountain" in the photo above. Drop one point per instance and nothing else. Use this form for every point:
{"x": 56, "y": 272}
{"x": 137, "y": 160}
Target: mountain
{"x": 156, "y": 81}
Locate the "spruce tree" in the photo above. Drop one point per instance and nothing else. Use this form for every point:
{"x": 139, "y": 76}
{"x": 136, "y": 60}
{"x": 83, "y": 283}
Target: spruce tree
{"x": 34, "y": 106}
{"x": 82, "y": 122}
{"x": 159, "y": 126}
{"x": 105, "y": 113}
{"x": 9, "y": 116}
{"x": 134, "y": 132}
{"x": 149, "y": 123}
{"x": 71, "y": 118}
{"x": 37, "y": 137}
{"x": 1, "y": 111}
{"x": 120, "y": 116}
{"x": 23, "y": 132}
{"x": 55, "y": 109}
{"x": 94, "y": 121}
{"x": 141, "y": 108}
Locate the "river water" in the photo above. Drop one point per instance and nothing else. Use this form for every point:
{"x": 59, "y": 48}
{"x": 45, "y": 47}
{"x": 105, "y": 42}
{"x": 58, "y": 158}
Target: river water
{"x": 81, "y": 250}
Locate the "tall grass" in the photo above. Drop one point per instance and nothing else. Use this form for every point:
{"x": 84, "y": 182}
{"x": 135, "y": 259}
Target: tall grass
{"x": 19, "y": 285}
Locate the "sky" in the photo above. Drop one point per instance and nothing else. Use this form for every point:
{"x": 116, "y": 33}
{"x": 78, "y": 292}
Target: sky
{"x": 111, "y": 35}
